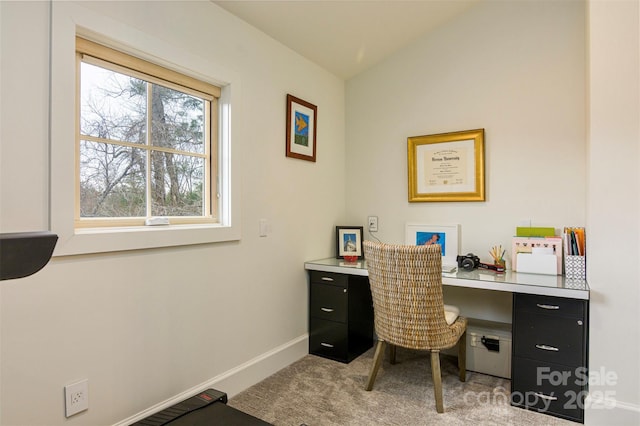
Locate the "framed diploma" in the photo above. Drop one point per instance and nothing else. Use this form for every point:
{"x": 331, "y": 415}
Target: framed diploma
{"x": 446, "y": 166}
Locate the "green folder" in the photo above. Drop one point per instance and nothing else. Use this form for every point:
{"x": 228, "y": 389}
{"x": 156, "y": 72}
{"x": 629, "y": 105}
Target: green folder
{"x": 532, "y": 231}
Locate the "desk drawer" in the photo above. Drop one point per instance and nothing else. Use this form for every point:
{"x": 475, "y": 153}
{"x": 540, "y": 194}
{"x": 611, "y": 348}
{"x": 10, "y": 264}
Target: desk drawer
{"x": 328, "y": 302}
{"x": 549, "y": 388}
{"x": 550, "y": 338}
{"x": 329, "y": 278}
{"x": 549, "y": 305}
{"x": 328, "y": 339}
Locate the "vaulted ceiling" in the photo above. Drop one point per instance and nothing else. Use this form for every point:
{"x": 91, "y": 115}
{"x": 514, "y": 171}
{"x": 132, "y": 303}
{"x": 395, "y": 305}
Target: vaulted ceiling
{"x": 343, "y": 36}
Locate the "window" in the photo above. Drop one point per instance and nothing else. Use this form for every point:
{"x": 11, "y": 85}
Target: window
{"x": 173, "y": 65}
{"x": 146, "y": 142}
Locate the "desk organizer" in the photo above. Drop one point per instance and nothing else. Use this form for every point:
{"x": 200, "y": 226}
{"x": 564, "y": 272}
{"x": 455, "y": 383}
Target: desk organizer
{"x": 546, "y": 264}
{"x": 575, "y": 260}
{"x": 575, "y": 267}
{"x": 524, "y": 245}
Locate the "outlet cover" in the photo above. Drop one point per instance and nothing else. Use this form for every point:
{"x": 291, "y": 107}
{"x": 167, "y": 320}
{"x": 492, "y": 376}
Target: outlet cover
{"x": 76, "y": 397}
{"x": 372, "y": 222}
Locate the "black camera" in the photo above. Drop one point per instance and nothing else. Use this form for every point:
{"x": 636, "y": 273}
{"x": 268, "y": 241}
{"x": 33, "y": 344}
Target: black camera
{"x": 468, "y": 262}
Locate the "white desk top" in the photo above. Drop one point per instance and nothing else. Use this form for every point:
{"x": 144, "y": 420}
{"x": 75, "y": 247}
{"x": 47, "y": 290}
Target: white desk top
{"x": 513, "y": 282}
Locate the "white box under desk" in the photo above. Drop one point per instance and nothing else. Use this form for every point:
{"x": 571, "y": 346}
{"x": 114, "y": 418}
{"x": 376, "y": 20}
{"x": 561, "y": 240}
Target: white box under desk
{"x": 487, "y": 359}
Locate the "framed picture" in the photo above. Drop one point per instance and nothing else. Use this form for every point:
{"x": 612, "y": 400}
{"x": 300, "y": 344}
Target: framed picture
{"x": 349, "y": 241}
{"x": 302, "y": 122}
{"x": 445, "y": 235}
{"x": 446, "y": 166}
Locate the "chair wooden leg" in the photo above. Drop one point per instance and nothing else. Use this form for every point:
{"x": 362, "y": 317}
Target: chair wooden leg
{"x": 437, "y": 380}
{"x": 392, "y": 354}
{"x": 462, "y": 357}
{"x": 377, "y": 360}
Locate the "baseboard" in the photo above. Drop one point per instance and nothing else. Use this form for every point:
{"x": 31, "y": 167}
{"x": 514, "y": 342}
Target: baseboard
{"x": 238, "y": 378}
{"x": 610, "y": 412}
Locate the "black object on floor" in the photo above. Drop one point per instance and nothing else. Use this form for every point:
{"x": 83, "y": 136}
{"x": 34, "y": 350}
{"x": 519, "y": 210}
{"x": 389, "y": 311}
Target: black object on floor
{"x": 208, "y": 408}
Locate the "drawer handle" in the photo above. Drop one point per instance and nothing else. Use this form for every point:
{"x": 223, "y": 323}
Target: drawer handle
{"x": 552, "y": 307}
{"x": 326, "y": 345}
{"x": 327, "y": 279}
{"x": 547, "y": 348}
{"x": 326, "y": 309}
{"x": 543, "y": 396}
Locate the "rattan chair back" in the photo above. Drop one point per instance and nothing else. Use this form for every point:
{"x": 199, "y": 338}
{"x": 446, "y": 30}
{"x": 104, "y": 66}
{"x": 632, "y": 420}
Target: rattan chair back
{"x": 406, "y": 286}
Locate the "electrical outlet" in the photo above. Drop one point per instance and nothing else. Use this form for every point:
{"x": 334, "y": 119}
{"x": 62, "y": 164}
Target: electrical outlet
{"x": 76, "y": 397}
{"x": 373, "y": 223}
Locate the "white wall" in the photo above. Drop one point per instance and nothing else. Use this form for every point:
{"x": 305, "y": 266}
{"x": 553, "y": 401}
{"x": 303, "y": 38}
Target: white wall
{"x": 146, "y": 326}
{"x": 613, "y": 210}
{"x": 516, "y": 69}
{"x": 520, "y": 71}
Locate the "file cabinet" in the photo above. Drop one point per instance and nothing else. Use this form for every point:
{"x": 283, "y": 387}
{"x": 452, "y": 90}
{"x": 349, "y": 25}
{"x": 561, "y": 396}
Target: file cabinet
{"x": 549, "y": 359}
{"x": 340, "y": 315}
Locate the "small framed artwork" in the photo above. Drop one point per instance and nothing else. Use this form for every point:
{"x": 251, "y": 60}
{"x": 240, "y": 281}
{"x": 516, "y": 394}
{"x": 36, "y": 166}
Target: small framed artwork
{"x": 349, "y": 242}
{"x": 302, "y": 122}
{"x": 446, "y": 166}
{"x": 445, "y": 235}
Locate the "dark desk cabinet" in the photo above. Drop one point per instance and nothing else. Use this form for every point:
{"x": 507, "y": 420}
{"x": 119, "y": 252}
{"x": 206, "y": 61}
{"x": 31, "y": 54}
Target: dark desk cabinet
{"x": 340, "y": 315}
{"x": 549, "y": 363}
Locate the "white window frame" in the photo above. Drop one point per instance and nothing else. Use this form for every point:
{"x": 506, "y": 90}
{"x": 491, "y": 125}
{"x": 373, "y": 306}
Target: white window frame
{"x": 71, "y": 20}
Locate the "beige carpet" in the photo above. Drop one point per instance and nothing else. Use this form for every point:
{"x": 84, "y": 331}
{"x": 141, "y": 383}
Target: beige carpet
{"x": 315, "y": 391}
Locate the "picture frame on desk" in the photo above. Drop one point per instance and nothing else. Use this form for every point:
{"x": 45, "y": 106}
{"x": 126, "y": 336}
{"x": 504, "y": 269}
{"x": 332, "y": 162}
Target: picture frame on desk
{"x": 349, "y": 242}
{"x": 448, "y": 236}
{"x": 446, "y": 166}
{"x": 302, "y": 124}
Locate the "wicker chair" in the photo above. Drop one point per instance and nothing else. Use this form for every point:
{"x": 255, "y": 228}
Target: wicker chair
{"x": 406, "y": 285}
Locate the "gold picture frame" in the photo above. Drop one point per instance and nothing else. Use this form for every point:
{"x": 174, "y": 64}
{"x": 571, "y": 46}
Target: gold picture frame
{"x": 446, "y": 166}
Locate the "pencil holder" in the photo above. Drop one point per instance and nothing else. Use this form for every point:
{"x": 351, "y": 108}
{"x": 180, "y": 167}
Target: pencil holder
{"x": 575, "y": 267}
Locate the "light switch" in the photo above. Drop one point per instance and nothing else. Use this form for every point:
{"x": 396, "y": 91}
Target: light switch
{"x": 263, "y": 227}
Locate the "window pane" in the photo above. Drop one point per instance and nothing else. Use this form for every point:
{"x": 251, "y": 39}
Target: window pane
{"x": 112, "y": 180}
{"x": 177, "y": 120}
{"x": 113, "y": 105}
{"x": 177, "y": 185}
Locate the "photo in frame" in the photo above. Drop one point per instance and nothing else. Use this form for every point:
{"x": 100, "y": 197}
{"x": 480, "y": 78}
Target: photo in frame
{"x": 446, "y": 166}
{"x": 302, "y": 123}
{"x": 349, "y": 241}
{"x": 446, "y": 235}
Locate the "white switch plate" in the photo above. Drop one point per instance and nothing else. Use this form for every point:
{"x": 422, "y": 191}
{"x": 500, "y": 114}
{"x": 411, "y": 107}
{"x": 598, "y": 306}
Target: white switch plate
{"x": 264, "y": 227}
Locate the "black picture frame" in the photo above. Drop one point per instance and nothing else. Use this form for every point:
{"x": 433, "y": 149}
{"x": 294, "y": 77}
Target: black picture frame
{"x": 349, "y": 241}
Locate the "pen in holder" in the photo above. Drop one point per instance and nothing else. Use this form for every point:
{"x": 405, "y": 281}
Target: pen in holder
{"x": 497, "y": 253}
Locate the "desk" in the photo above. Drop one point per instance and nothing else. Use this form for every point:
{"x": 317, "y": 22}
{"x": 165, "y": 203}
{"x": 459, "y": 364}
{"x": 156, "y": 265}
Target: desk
{"x": 512, "y": 282}
{"x": 550, "y": 328}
